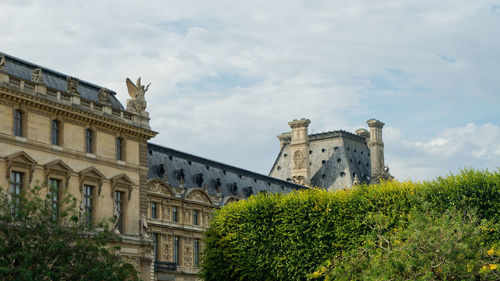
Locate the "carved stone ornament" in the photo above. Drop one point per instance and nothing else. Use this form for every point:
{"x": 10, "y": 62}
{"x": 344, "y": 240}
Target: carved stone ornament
{"x": 36, "y": 76}
{"x": 103, "y": 96}
{"x": 2, "y": 62}
{"x": 198, "y": 195}
{"x": 72, "y": 86}
{"x": 381, "y": 175}
{"x": 136, "y": 91}
{"x": 143, "y": 225}
{"x": 298, "y": 159}
{"x": 188, "y": 254}
{"x": 298, "y": 180}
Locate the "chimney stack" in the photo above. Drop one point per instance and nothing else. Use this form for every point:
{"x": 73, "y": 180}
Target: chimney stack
{"x": 376, "y": 146}
{"x": 299, "y": 148}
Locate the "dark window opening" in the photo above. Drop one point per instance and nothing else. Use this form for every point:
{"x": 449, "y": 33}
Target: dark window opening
{"x": 88, "y": 141}
{"x": 55, "y": 132}
{"x": 88, "y": 201}
{"x": 119, "y": 149}
{"x": 153, "y": 210}
{"x": 195, "y": 217}
{"x": 54, "y": 189}
{"x": 18, "y": 123}
{"x": 174, "y": 214}
{"x": 196, "y": 247}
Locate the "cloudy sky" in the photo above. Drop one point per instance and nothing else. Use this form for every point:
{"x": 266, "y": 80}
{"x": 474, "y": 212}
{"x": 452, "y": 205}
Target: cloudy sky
{"x": 227, "y": 76}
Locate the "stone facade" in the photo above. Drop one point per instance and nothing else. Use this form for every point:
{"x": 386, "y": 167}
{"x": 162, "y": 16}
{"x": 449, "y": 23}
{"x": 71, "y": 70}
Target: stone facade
{"x": 43, "y": 138}
{"x": 331, "y": 160}
{"x": 59, "y": 128}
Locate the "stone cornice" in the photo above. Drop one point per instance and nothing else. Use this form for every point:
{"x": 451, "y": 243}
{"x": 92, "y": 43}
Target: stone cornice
{"x": 74, "y": 112}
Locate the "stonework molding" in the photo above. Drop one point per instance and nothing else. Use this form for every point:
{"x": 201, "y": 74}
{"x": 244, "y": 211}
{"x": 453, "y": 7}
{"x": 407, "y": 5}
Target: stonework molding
{"x": 57, "y": 167}
{"x": 91, "y": 174}
{"x": 161, "y": 187}
{"x": 20, "y": 160}
{"x": 198, "y": 194}
{"x": 121, "y": 180}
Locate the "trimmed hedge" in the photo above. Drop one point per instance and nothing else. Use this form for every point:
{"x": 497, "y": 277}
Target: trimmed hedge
{"x": 287, "y": 236}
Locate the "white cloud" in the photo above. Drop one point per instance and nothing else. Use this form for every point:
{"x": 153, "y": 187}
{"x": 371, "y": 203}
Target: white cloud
{"x": 338, "y": 63}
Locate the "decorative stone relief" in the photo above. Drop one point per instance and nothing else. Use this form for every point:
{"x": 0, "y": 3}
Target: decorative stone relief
{"x": 167, "y": 246}
{"x": 36, "y": 76}
{"x": 188, "y": 253}
{"x": 198, "y": 195}
{"x": 72, "y": 87}
{"x": 143, "y": 224}
{"x": 103, "y": 96}
{"x": 298, "y": 180}
{"x": 298, "y": 159}
{"x": 2, "y": 62}
{"x": 136, "y": 91}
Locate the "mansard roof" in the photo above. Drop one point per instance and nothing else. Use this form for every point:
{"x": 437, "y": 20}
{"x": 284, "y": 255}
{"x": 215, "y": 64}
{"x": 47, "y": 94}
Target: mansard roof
{"x": 56, "y": 80}
{"x": 196, "y": 172}
{"x": 336, "y": 157}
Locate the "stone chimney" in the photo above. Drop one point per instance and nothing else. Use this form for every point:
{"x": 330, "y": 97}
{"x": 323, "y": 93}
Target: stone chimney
{"x": 376, "y": 146}
{"x": 284, "y": 138}
{"x": 299, "y": 148}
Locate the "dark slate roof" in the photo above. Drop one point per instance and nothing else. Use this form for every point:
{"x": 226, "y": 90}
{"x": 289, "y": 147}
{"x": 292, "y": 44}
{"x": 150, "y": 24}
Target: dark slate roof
{"x": 164, "y": 162}
{"x": 55, "y": 80}
{"x": 335, "y": 158}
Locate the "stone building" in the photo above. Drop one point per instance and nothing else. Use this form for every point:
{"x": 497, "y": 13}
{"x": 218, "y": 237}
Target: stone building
{"x": 331, "y": 160}
{"x": 73, "y": 135}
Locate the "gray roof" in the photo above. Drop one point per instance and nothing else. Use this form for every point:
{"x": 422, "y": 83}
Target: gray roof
{"x": 334, "y": 157}
{"x": 55, "y": 80}
{"x": 198, "y": 172}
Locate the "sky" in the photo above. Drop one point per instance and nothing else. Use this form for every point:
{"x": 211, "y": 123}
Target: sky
{"x": 227, "y": 76}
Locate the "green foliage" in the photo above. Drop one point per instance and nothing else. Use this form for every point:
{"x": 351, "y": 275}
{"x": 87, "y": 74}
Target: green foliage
{"x": 286, "y": 237}
{"x": 36, "y": 246}
{"x": 434, "y": 246}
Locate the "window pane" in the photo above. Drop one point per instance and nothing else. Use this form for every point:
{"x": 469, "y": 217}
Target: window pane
{"x": 153, "y": 210}
{"x": 196, "y": 252}
{"x": 176, "y": 249}
{"x": 174, "y": 214}
{"x": 88, "y": 201}
{"x": 54, "y": 188}
{"x": 18, "y": 122}
{"x": 119, "y": 208}
{"x": 88, "y": 141}
{"x": 118, "y": 149}
{"x": 195, "y": 217}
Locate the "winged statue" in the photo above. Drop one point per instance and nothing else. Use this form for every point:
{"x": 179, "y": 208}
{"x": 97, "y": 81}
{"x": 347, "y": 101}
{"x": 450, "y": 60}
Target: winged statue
{"x": 136, "y": 91}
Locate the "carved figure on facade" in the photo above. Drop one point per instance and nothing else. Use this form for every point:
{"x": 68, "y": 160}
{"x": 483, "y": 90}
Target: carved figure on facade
{"x": 206, "y": 219}
{"x": 188, "y": 255}
{"x": 157, "y": 186}
{"x": 36, "y": 76}
{"x": 356, "y": 180}
{"x": 2, "y": 62}
{"x": 136, "y": 91}
{"x": 166, "y": 247}
{"x": 116, "y": 216}
{"x": 298, "y": 159}
{"x": 143, "y": 225}
{"x": 198, "y": 195}
{"x": 72, "y": 86}
{"x": 103, "y": 96}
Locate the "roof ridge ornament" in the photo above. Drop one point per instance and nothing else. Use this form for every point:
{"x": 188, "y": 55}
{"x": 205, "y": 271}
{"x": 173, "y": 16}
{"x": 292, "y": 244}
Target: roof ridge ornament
{"x": 72, "y": 86}
{"x": 36, "y": 76}
{"x": 2, "y": 61}
{"x": 136, "y": 91}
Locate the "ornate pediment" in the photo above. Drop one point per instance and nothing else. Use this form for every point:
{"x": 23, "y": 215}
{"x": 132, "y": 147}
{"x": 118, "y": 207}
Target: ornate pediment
{"x": 121, "y": 180}
{"x": 160, "y": 187}
{"x": 21, "y": 160}
{"x": 91, "y": 173}
{"x": 197, "y": 194}
{"x": 57, "y": 167}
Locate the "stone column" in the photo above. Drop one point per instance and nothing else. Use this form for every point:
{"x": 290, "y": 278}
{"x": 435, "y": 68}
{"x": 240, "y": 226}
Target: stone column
{"x": 299, "y": 148}
{"x": 376, "y": 146}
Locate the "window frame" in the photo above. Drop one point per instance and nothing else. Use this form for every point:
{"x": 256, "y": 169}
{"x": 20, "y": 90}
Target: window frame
{"x": 119, "y": 196}
{"x": 19, "y": 120}
{"x": 56, "y": 202}
{"x": 196, "y": 252}
{"x": 120, "y": 148}
{"x": 89, "y": 141}
{"x": 176, "y": 253}
{"x": 195, "y": 217}
{"x": 89, "y": 207}
{"x": 56, "y": 132}
{"x": 175, "y": 214}
{"x": 154, "y": 209}
{"x": 156, "y": 250}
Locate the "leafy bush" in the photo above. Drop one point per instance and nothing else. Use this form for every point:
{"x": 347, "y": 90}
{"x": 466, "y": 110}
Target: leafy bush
{"x": 36, "y": 246}
{"x": 286, "y": 237}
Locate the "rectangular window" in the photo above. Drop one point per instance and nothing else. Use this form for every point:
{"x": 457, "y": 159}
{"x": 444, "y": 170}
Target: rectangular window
{"x": 54, "y": 188}
{"x": 196, "y": 252}
{"x": 195, "y": 217}
{"x": 18, "y": 123}
{"x": 16, "y": 184}
{"x": 88, "y": 201}
{"x": 119, "y": 147}
{"x": 88, "y": 141}
{"x": 55, "y": 132}
{"x": 174, "y": 214}
{"x": 119, "y": 209}
{"x": 176, "y": 249}
{"x": 155, "y": 246}
{"x": 153, "y": 210}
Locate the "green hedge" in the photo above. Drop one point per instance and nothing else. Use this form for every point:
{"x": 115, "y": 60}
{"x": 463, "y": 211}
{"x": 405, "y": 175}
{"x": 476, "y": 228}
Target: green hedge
{"x": 286, "y": 237}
